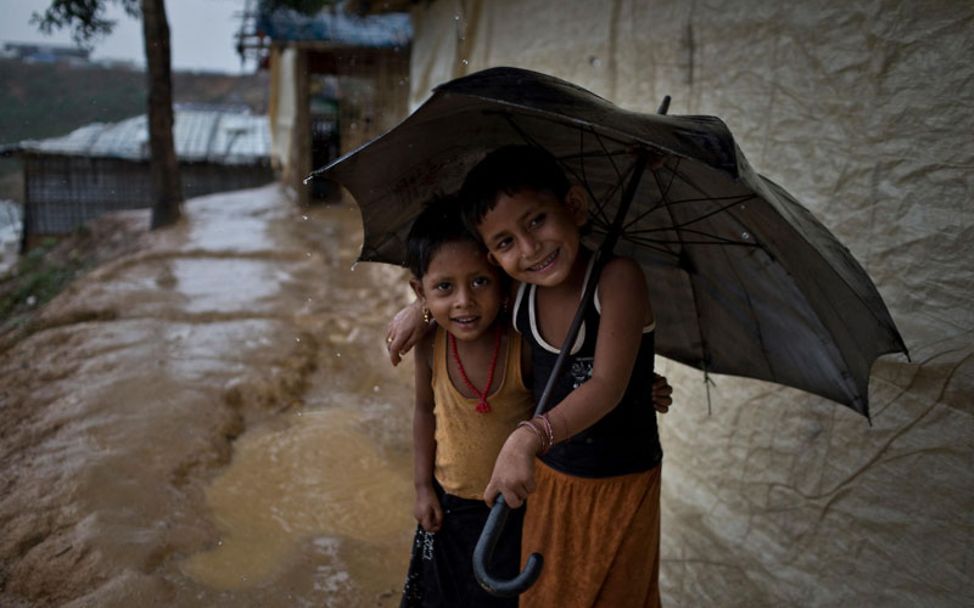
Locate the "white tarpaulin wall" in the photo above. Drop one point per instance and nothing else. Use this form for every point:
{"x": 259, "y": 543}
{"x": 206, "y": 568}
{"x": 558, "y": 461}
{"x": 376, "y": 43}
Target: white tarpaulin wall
{"x": 865, "y": 112}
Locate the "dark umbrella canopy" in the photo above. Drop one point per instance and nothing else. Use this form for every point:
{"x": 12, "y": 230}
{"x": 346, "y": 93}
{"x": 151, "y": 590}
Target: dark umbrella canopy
{"x": 743, "y": 279}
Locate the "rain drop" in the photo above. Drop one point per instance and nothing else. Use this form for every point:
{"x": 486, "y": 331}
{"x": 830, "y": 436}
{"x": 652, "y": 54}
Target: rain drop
{"x": 595, "y": 61}
{"x": 352, "y": 269}
{"x": 297, "y": 339}
{"x": 308, "y": 179}
{"x": 308, "y": 253}
{"x": 456, "y": 17}
{"x": 304, "y": 217}
{"x": 465, "y": 62}
{"x": 339, "y": 355}
{"x": 375, "y": 389}
{"x": 746, "y": 236}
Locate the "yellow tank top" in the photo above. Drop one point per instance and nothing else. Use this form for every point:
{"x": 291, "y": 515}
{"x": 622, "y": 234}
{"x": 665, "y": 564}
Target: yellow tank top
{"x": 467, "y": 441}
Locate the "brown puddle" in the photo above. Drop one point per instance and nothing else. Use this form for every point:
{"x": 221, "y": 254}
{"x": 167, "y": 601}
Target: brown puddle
{"x": 317, "y": 479}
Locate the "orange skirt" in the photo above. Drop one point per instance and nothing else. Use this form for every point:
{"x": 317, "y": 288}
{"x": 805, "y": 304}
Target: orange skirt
{"x": 599, "y": 538}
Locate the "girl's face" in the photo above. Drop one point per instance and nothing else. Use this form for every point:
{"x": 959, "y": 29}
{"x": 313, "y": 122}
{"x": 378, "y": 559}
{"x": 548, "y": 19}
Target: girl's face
{"x": 534, "y": 236}
{"x": 462, "y": 290}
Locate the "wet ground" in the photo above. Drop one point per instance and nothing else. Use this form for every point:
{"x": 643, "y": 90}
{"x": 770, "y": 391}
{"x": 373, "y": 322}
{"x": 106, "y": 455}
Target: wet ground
{"x": 211, "y": 422}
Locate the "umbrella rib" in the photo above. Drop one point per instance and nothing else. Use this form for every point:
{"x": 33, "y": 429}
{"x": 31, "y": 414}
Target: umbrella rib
{"x": 665, "y": 201}
{"x": 568, "y": 123}
{"x": 602, "y": 205}
{"x": 705, "y": 196}
{"x": 698, "y": 219}
{"x": 722, "y": 243}
{"x": 594, "y": 154}
{"x": 650, "y": 245}
{"x": 524, "y": 134}
{"x": 693, "y": 286}
{"x": 599, "y": 205}
{"x": 751, "y": 313}
{"x": 673, "y": 174}
{"x": 605, "y": 151}
{"x": 717, "y": 237}
{"x": 664, "y": 192}
{"x": 742, "y": 198}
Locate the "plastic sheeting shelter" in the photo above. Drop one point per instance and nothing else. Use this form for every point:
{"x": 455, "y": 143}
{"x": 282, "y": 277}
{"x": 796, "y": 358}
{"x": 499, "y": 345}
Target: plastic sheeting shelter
{"x": 104, "y": 167}
{"x": 298, "y": 48}
{"x": 863, "y": 110}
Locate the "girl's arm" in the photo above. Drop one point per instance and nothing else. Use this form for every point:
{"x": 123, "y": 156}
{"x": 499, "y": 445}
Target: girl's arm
{"x": 625, "y": 311}
{"x": 427, "y": 509}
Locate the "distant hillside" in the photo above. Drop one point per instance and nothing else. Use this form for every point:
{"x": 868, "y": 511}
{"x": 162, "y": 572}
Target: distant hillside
{"x": 46, "y": 100}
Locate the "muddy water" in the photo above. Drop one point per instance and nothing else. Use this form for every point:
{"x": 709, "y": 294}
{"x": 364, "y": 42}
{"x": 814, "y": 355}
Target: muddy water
{"x": 211, "y": 422}
{"x": 316, "y": 481}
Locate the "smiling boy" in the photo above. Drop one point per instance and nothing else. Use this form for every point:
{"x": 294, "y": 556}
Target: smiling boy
{"x": 594, "y": 506}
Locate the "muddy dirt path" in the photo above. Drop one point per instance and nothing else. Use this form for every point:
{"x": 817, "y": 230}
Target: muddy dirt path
{"x": 210, "y": 422}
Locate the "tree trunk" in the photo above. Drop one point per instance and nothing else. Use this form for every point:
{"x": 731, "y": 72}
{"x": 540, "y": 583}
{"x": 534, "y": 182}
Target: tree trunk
{"x": 167, "y": 190}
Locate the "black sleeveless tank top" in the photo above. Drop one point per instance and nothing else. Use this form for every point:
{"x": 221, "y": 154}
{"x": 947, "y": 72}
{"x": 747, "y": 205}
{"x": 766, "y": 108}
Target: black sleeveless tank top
{"x": 626, "y": 440}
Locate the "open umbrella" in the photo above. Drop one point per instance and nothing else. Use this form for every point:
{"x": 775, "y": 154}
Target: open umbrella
{"x": 745, "y": 280}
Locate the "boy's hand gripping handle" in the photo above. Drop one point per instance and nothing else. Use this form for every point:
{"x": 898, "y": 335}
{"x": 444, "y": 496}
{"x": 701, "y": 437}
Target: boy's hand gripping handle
{"x": 485, "y": 550}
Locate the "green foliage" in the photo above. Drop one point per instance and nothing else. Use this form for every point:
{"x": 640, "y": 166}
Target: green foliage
{"x": 85, "y": 17}
{"x": 47, "y": 100}
{"x": 38, "y": 278}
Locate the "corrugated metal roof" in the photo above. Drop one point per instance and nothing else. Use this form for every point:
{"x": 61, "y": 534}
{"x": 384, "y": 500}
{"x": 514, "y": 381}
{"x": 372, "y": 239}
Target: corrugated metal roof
{"x": 230, "y": 138}
{"x": 338, "y": 27}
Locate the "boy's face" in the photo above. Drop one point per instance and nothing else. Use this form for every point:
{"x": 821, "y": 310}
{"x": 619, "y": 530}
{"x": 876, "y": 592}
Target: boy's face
{"x": 534, "y": 236}
{"x": 461, "y": 289}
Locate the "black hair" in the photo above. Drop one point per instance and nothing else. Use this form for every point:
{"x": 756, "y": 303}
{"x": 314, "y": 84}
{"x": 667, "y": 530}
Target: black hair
{"x": 438, "y": 224}
{"x": 508, "y": 170}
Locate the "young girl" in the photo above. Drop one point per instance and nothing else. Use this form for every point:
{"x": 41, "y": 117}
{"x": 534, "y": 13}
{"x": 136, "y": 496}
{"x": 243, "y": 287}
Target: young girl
{"x": 594, "y": 506}
{"x": 470, "y": 396}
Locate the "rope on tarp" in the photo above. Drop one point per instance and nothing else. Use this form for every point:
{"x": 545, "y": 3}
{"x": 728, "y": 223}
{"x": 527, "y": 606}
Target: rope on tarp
{"x": 707, "y": 383}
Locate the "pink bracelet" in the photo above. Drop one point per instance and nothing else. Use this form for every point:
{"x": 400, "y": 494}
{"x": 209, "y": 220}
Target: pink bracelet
{"x": 549, "y": 431}
{"x": 537, "y": 432}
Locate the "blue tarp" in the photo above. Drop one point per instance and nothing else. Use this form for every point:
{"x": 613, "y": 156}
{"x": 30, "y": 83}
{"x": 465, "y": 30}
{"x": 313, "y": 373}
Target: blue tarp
{"x": 338, "y": 27}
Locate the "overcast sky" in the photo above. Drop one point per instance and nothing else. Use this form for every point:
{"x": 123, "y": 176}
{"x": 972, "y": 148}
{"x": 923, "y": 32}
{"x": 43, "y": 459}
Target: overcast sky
{"x": 202, "y": 33}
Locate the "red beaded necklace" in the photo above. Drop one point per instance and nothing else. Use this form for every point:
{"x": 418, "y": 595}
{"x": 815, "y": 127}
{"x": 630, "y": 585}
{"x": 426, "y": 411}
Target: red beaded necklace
{"x": 482, "y": 405}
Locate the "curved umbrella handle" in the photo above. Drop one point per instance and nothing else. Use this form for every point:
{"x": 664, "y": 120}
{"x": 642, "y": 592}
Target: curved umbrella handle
{"x": 485, "y": 550}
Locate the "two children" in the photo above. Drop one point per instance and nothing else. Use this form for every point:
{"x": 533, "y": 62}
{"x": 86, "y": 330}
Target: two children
{"x": 594, "y": 510}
